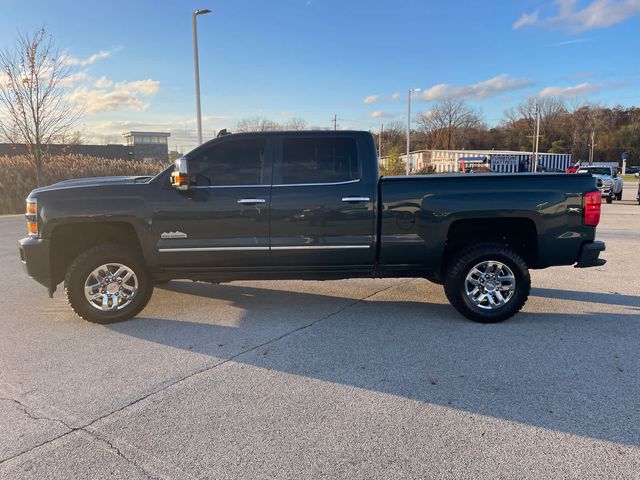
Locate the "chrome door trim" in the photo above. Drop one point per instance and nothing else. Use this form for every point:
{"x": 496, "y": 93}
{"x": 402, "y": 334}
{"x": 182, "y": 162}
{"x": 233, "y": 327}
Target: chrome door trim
{"x": 356, "y": 199}
{"x": 347, "y": 182}
{"x": 321, "y": 247}
{"x": 251, "y": 201}
{"x": 239, "y": 249}
{"x": 230, "y": 186}
{"x": 210, "y": 249}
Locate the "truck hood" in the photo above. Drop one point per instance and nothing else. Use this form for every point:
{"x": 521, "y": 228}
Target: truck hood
{"x": 91, "y": 182}
{"x": 603, "y": 177}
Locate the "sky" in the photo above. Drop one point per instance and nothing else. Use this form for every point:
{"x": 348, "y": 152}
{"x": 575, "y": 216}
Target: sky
{"x": 314, "y": 59}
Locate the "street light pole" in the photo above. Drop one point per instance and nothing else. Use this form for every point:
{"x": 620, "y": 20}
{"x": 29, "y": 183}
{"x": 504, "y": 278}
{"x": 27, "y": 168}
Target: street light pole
{"x": 196, "y": 68}
{"x": 535, "y": 158}
{"x": 411, "y": 90}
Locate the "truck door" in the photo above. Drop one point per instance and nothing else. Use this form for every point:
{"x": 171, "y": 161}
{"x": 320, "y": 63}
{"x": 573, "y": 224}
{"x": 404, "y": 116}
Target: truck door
{"x": 224, "y": 220}
{"x": 322, "y": 203}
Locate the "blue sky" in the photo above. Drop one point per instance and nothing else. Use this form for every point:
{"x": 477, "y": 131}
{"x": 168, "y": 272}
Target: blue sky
{"x": 313, "y": 58}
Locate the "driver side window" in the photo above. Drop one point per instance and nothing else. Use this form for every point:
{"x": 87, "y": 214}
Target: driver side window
{"x": 232, "y": 162}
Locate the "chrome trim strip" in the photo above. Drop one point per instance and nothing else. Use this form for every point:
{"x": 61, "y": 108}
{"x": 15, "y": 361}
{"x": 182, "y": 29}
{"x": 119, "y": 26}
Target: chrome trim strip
{"x": 231, "y": 186}
{"x": 210, "y": 249}
{"x": 347, "y": 182}
{"x": 355, "y": 199}
{"x": 321, "y": 247}
{"x": 240, "y": 249}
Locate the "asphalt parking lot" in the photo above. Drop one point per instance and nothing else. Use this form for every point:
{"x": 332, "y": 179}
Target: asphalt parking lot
{"x": 344, "y": 379}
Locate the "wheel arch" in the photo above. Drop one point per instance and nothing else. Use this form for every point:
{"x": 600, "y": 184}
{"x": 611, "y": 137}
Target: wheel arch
{"x": 519, "y": 233}
{"x": 68, "y": 240}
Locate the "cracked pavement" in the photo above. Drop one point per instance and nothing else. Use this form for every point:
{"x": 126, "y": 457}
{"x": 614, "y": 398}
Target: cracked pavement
{"x": 344, "y": 379}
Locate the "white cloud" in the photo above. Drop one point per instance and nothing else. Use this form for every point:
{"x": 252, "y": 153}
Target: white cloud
{"x": 481, "y": 90}
{"x": 122, "y": 95}
{"x": 437, "y": 92}
{"x": 579, "y": 90}
{"x": 394, "y": 96}
{"x": 379, "y": 114}
{"x": 83, "y": 62}
{"x": 568, "y": 42}
{"x": 597, "y": 14}
{"x": 492, "y": 87}
{"x": 146, "y": 87}
{"x": 103, "y": 82}
{"x": 73, "y": 79}
{"x": 371, "y": 99}
{"x": 526, "y": 19}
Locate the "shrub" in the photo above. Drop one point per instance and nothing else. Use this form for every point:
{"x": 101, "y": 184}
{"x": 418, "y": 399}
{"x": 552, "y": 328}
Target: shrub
{"x": 18, "y": 178}
{"x": 394, "y": 165}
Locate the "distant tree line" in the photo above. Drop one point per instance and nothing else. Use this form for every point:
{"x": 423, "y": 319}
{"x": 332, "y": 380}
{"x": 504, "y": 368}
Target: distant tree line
{"x": 261, "y": 124}
{"x": 452, "y": 125}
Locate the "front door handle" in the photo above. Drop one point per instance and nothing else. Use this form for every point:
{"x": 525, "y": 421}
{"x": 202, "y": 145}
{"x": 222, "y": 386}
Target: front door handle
{"x": 251, "y": 201}
{"x": 355, "y": 199}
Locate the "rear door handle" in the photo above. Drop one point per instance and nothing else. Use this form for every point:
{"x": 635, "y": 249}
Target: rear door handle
{"x": 355, "y": 199}
{"x": 251, "y": 201}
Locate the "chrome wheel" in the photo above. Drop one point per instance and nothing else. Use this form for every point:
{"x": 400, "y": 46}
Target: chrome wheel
{"x": 490, "y": 285}
{"x": 111, "y": 286}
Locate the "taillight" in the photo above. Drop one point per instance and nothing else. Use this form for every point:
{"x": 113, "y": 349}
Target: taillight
{"x": 591, "y": 207}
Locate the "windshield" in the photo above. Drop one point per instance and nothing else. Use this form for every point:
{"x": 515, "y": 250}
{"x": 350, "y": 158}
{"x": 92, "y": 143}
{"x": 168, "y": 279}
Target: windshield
{"x": 596, "y": 170}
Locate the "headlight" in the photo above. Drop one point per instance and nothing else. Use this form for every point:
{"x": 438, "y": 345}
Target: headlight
{"x": 32, "y": 218}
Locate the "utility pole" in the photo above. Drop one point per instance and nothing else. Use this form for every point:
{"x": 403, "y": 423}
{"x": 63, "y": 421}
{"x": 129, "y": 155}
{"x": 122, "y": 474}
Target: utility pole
{"x": 335, "y": 121}
{"x": 535, "y": 157}
{"x": 411, "y": 90}
{"x": 591, "y": 146}
{"x": 380, "y": 141}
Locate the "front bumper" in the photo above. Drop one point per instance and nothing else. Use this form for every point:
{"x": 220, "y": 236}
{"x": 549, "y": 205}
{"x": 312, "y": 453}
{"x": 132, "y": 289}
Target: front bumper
{"x": 36, "y": 260}
{"x": 589, "y": 255}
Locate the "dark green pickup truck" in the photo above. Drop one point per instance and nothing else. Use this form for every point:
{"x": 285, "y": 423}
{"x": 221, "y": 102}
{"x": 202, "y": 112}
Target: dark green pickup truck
{"x": 305, "y": 205}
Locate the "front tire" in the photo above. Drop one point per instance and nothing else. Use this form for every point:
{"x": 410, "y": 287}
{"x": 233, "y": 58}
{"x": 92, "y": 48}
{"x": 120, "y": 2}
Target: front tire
{"x": 610, "y": 199}
{"x": 619, "y": 196}
{"x": 487, "y": 283}
{"x": 107, "y": 284}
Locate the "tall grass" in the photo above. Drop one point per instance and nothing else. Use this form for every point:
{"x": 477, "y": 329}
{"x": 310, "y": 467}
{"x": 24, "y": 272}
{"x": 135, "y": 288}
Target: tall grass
{"x": 18, "y": 178}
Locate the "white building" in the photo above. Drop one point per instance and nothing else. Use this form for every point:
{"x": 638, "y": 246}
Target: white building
{"x": 504, "y": 161}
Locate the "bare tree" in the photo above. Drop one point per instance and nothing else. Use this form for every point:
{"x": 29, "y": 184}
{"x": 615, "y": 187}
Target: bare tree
{"x": 36, "y": 111}
{"x": 257, "y": 124}
{"x": 519, "y": 124}
{"x": 296, "y": 124}
{"x": 447, "y": 124}
{"x": 393, "y": 136}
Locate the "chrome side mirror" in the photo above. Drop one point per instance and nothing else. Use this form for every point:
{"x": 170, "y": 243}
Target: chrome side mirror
{"x": 180, "y": 174}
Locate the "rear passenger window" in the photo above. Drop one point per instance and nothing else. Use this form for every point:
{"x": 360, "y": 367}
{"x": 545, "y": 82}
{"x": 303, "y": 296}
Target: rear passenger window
{"x": 233, "y": 162}
{"x": 319, "y": 160}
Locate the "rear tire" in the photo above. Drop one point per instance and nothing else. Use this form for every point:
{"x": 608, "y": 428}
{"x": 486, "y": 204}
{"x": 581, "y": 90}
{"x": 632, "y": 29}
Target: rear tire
{"x": 487, "y": 283}
{"x": 107, "y": 284}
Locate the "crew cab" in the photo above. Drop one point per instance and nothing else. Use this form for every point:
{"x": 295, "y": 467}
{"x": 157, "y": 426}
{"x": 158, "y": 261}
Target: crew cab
{"x": 305, "y": 205}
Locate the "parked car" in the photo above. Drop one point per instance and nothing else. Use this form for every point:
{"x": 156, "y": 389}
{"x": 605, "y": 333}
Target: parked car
{"x": 612, "y": 183}
{"x": 305, "y": 205}
{"x": 638, "y": 195}
{"x": 633, "y": 170}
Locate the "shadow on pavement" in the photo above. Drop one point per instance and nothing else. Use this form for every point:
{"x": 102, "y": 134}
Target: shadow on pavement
{"x": 592, "y": 297}
{"x": 575, "y": 373}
